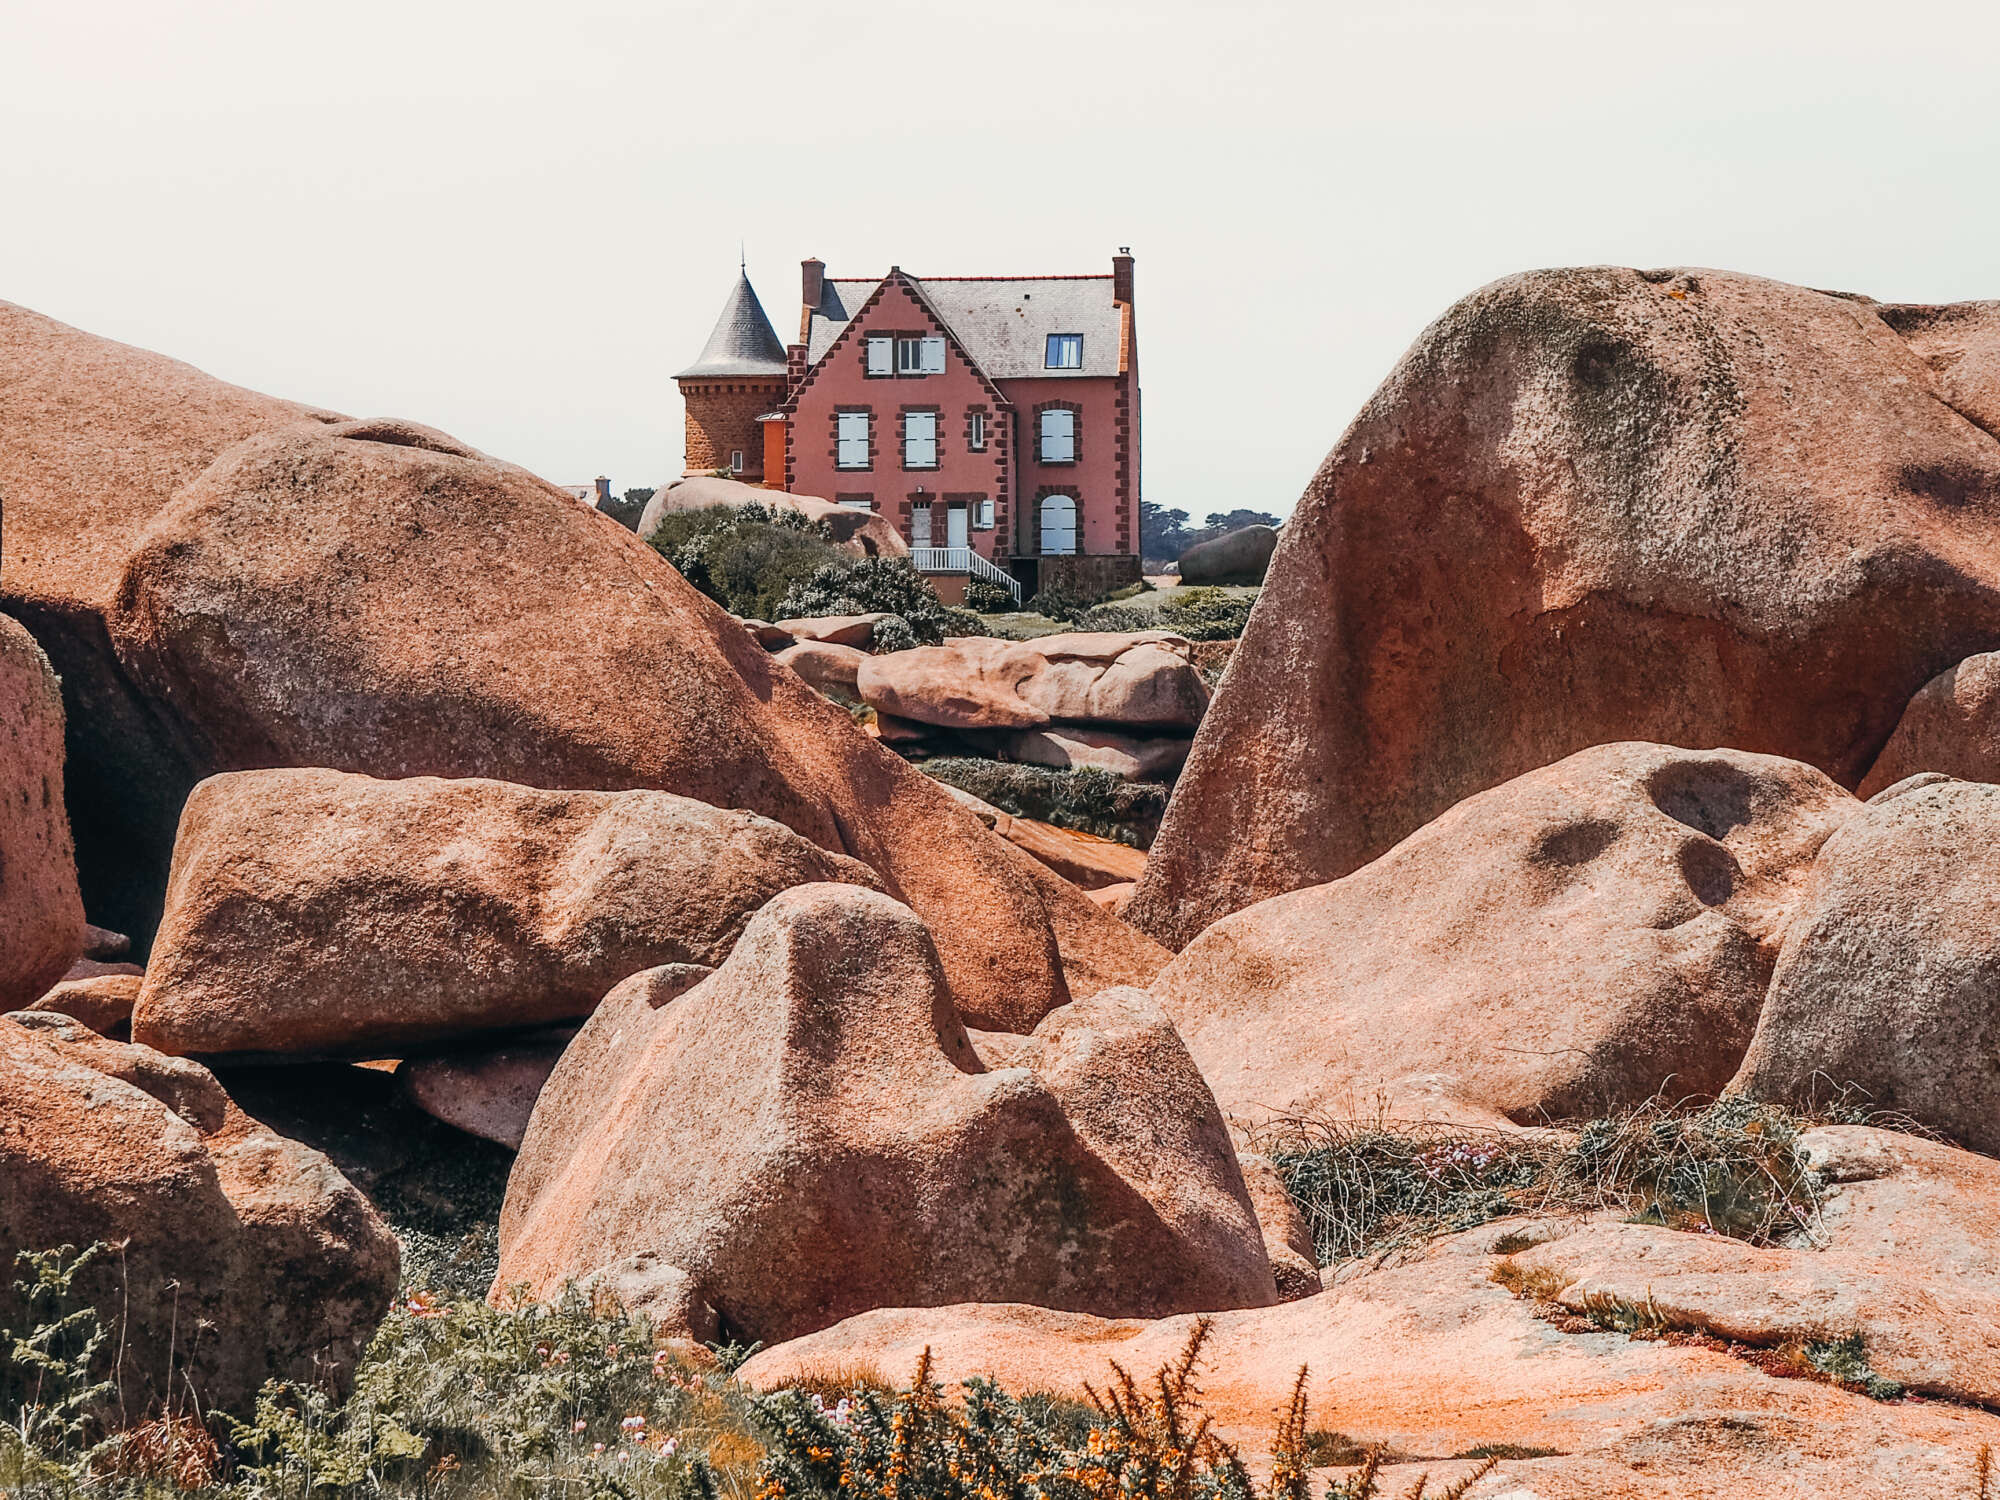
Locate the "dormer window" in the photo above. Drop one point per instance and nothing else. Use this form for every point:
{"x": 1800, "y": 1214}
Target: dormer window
{"x": 1065, "y": 352}
{"x": 919, "y": 356}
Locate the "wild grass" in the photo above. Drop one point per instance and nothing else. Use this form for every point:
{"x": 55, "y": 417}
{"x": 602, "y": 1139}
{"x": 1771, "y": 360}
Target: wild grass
{"x": 1369, "y": 1188}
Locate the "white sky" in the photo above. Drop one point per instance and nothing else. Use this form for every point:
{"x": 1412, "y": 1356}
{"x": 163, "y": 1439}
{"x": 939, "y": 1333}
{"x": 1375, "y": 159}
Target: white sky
{"x": 515, "y": 221}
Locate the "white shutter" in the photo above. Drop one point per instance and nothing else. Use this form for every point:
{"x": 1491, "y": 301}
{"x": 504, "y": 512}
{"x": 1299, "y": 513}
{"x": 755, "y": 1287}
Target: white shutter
{"x": 881, "y": 356}
{"x": 1058, "y": 437}
{"x": 1058, "y": 526}
{"x": 920, "y": 440}
{"x": 985, "y": 517}
{"x": 853, "y": 444}
{"x": 933, "y": 357}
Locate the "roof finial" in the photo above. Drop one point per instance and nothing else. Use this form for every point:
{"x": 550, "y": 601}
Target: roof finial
{"x": 742, "y": 259}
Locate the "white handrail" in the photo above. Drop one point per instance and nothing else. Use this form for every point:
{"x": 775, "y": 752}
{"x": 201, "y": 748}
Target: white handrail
{"x": 962, "y": 560}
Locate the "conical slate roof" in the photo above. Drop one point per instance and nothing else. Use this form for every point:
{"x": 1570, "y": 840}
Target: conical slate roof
{"x": 743, "y": 343}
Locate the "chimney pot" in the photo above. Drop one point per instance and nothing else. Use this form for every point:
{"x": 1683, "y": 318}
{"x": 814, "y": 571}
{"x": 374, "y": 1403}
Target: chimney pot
{"x": 812, "y": 281}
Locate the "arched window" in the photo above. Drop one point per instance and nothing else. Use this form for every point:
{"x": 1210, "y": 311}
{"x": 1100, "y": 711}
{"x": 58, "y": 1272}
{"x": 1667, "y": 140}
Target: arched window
{"x": 1058, "y": 526}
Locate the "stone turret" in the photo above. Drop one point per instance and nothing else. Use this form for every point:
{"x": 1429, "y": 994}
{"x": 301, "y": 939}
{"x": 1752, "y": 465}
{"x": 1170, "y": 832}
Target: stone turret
{"x": 739, "y": 377}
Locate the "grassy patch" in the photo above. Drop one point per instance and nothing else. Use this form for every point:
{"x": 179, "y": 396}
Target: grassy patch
{"x": 1365, "y": 1188}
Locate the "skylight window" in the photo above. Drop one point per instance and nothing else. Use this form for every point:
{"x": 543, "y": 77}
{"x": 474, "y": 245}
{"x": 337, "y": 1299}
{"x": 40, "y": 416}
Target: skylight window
{"x": 1065, "y": 352}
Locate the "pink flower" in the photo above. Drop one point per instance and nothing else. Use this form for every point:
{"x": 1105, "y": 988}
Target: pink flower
{"x": 579, "y": 1425}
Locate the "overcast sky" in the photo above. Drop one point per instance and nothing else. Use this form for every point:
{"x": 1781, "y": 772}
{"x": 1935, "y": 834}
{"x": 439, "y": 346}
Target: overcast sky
{"x": 514, "y": 221}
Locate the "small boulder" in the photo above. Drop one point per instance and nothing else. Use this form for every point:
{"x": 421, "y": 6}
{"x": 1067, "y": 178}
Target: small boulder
{"x": 489, "y": 1092}
{"x": 857, "y": 631}
{"x": 1240, "y": 556}
{"x": 41, "y": 913}
{"x": 321, "y": 912}
{"x": 827, "y": 667}
{"x": 1951, "y": 726}
{"x": 103, "y": 1002}
{"x": 809, "y": 1133}
{"x": 1576, "y": 939}
{"x": 1889, "y": 981}
{"x": 244, "y": 1257}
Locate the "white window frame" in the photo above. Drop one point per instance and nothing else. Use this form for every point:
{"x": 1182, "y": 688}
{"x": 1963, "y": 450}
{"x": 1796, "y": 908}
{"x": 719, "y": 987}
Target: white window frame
{"x": 975, "y": 431}
{"x": 982, "y": 514}
{"x": 1075, "y": 525}
{"x": 736, "y": 460}
{"x": 847, "y": 455}
{"x": 916, "y": 444}
{"x": 1056, "y": 447}
{"x": 862, "y": 504}
{"x": 1064, "y": 343}
{"x": 881, "y": 354}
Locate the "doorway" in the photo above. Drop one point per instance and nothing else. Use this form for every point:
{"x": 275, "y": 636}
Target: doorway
{"x": 957, "y": 527}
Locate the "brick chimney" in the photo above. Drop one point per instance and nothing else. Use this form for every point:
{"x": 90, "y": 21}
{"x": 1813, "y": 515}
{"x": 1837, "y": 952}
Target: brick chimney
{"x": 603, "y": 493}
{"x": 812, "y": 281}
{"x": 1121, "y": 275}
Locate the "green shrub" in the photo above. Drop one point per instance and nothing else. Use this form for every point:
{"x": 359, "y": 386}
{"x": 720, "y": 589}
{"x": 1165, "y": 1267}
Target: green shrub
{"x": 1063, "y": 603}
{"x": 746, "y": 558}
{"x": 987, "y": 597}
{"x": 1090, "y": 801}
{"x": 1200, "y": 614}
{"x": 861, "y": 586}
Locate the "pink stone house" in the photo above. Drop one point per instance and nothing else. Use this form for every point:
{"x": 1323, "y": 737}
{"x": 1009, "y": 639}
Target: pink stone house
{"x": 993, "y": 420}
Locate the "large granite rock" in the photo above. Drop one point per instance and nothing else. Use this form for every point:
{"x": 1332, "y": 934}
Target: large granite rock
{"x": 41, "y": 913}
{"x": 1889, "y": 982}
{"x": 376, "y": 597}
{"x": 1591, "y": 505}
{"x": 809, "y": 1133}
{"x": 1952, "y": 726}
{"x": 95, "y": 438}
{"x": 322, "y": 912}
{"x": 1576, "y": 939}
{"x": 243, "y": 1257}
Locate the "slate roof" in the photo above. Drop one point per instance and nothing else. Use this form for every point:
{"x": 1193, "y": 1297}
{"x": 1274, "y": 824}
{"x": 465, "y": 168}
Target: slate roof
{"x": 1002, "y": 322}
{"x": 743, "y": 343}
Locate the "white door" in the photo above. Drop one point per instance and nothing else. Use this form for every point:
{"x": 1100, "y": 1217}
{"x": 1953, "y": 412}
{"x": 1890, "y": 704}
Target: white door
{"x": 920, "y": 526}
{"x": 957, "y": 533}
{"x": 1058, "y": 526}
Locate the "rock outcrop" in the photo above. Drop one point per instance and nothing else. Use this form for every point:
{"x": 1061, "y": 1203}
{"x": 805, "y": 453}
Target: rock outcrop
{"x": 1579, "y": 485}
{"x": 829, "y": 668}
{"x": 41, "y": 913}
{"x": 322, "y": 912}
{"x": 1578, "y": 938}
{"x": 376, "y": 597}
{"x": 809, "y": 1133}
{"x": 1240, "y": 556}
{"x": 1426, "y": 1356}
{"x": 245, "y": 1257}
{"x": 1889, "y": 982}
{"x": 103, "y": 1002}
